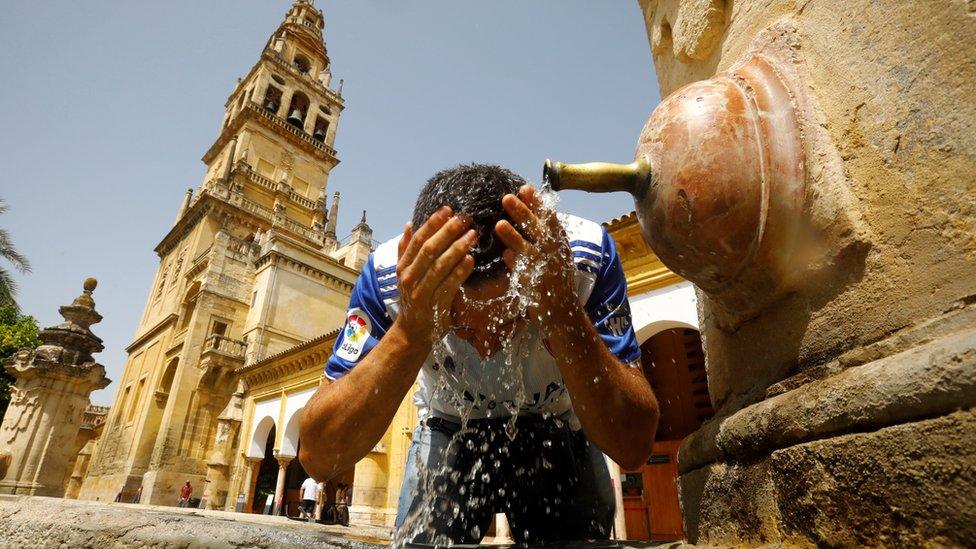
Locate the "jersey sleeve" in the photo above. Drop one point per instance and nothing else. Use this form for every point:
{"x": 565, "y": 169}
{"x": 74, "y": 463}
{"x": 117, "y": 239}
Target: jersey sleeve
{"x": 608, "y": 306}
{"x": 367, "y": 320}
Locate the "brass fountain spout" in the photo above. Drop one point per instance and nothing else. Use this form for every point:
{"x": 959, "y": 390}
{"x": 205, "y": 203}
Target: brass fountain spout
{"x": 718, "y": 182}
{"x": 599, "y": 177}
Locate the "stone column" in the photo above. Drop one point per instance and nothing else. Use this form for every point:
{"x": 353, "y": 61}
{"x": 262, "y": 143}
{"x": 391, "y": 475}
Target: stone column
{"x": 260, "y": 89}
{"x": 285, "y": 102}
{"x": 250, "y": 484}
{"x": 313, "y": 109}
{"x": 49, "y": 399}
{"x": 279, "y": 500}
{"x": 320, "y": 498}
{"x": 619, "y": 524}
{"x": 253, "y": 469}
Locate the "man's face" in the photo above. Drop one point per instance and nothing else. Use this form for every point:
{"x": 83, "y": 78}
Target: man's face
{"x": 484, "y": 303}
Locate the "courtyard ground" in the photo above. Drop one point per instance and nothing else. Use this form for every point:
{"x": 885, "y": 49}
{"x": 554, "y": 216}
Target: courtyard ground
{"x": 54, "y": 522}
{"x": 28, "y": 521}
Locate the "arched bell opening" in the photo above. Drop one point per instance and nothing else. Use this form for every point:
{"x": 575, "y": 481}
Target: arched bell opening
{"x": 302, "y": 63}
{"x": 272, "y": 99}
{"x": 298, "y": 109}
{"x": 321, "y": 128}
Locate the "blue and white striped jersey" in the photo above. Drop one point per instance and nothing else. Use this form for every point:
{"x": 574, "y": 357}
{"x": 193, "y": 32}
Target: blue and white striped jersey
{"x": 458, "y": 382}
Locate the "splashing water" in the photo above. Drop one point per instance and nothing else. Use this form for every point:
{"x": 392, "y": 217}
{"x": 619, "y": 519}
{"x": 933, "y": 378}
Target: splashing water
{"x": 522, "y": 294}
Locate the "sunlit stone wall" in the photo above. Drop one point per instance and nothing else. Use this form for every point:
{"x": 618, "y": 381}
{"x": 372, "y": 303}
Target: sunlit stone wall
{"x": 844, "y": 406}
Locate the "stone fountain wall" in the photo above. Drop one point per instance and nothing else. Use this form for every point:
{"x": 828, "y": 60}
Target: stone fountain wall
{"x": 845, "y": 393}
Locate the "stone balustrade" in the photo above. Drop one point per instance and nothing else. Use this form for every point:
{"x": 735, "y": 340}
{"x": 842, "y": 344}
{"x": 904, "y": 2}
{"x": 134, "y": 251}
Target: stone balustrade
{"x": 233, "y": 348}
{"x": 271, "y": 186}
{"x": 280, "y": 123}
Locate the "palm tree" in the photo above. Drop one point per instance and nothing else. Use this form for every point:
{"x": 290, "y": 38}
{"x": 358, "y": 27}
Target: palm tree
{"x": 8, "y": 287}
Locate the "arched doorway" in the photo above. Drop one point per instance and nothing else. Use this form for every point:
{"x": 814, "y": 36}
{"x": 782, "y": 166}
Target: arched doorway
{"x": 267, "y": 474}
{"x": 295, "y": 474}
{"x": 674, "y": 364}
{"x": 267, "y": 481}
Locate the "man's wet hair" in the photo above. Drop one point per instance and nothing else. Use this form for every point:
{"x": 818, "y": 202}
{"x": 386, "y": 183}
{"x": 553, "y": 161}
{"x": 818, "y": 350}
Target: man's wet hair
{"x": 475, "y": 190}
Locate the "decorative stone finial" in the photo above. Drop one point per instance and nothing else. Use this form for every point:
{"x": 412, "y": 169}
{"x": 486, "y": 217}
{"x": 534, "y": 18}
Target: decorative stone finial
{"x": 85, "y": 299}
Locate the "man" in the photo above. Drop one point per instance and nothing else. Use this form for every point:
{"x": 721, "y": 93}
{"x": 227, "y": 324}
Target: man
{"x": 342, "y": 504}
{"x": 517, "y": 323}
{"x": 185, "y": 492}
{"x": 310, "y": 491}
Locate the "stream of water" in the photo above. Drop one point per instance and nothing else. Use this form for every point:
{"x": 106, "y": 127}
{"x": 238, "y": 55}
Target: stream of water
{"x": 511, "y": 310}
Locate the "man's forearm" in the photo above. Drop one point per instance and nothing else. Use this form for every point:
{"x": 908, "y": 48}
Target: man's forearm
{"x": 614, "y": 403}
{"x": 345, "y": 419}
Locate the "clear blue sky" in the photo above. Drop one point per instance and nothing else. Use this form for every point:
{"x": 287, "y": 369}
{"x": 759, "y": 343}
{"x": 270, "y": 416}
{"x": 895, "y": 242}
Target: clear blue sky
{"x": 107, "y": 107}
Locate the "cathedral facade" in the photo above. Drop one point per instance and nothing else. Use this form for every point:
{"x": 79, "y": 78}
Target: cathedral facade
{"x": 252, "y": 269}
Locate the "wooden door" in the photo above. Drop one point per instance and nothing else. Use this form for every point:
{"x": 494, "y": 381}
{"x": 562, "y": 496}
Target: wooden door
{"x": 661, "y": 492}
{"x": 674, "y": 365}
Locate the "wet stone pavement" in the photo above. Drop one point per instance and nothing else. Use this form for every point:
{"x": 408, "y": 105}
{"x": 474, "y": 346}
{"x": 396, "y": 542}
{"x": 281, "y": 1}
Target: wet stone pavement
{"x": 27, "y": 521}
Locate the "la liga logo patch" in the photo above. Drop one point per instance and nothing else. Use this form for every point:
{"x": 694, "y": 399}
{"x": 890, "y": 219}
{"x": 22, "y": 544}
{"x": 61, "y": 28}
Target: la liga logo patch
{"x": 354, "y": 335}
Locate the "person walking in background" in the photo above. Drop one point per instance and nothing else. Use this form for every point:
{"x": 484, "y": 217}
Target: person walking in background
{"x": 342, "y": 504}
{"x": 310, "y": 491}
{"x": 185, "y": 492}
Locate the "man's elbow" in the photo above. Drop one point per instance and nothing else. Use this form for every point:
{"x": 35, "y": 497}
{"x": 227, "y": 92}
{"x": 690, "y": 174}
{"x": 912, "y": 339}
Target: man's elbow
{"x": 310, "y": 464}
{"x": 311, "y": 455}
{"x": 635, "y": 454}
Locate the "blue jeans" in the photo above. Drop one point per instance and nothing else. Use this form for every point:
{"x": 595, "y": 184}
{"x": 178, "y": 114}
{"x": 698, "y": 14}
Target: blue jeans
{"x": 550, "y": 481}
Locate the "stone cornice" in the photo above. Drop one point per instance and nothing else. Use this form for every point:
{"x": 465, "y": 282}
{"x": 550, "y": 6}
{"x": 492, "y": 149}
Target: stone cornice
{"x": 643, "y": 269}
{"x": 306, "y": 269}
{"x": 200, "y": 207}
{"x": 84, "y": 377}
{"x": 305, "y": 356}
{"x": 148, "y": 334}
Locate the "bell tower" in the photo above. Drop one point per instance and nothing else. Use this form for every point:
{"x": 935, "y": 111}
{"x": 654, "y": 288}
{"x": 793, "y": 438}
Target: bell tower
{"x": 250, "y": 268}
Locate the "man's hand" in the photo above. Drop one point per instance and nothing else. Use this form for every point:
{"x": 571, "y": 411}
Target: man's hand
{"x": 432, "y": 265}
{"x": 540, "y": 243}
{"x": 581, "y": 355}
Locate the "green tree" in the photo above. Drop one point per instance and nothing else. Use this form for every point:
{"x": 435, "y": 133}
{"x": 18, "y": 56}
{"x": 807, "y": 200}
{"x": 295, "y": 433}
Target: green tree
{"x": 17, "y": 332}
{"x": 8, "y": 286}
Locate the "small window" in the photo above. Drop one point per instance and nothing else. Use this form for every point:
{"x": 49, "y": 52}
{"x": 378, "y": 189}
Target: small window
{"x": 278, "y": 79}
{"x": 125, "y": 400}
{"x": 219, "y": 328}
{"x": 135, "y": 401}
{"x": 632, "y": 484}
